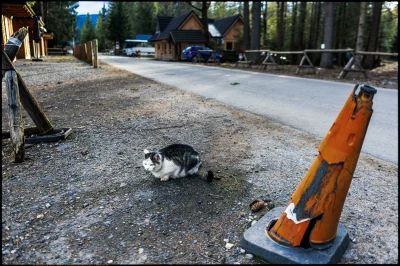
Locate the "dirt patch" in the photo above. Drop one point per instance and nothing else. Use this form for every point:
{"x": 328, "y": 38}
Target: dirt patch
{"x": 87, "y": 199}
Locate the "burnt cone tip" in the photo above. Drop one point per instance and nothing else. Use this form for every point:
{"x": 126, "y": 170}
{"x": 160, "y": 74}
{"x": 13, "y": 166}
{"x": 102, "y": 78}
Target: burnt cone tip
{"x": 209, "y": 176}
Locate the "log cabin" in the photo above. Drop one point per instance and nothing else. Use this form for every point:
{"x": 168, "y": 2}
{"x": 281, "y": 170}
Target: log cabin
{"x": 174, "y": 34}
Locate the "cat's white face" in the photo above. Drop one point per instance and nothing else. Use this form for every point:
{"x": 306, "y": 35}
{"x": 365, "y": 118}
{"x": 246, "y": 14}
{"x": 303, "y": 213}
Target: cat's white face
{"x": 151, "y": 161}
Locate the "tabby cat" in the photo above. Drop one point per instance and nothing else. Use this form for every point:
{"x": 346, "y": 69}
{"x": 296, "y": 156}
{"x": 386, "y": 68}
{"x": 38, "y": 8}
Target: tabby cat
{"x": 174, "y": 161}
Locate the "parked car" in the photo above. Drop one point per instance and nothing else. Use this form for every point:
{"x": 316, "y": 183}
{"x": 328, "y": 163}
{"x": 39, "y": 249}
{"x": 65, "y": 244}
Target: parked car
{"x": 190, "y": 53}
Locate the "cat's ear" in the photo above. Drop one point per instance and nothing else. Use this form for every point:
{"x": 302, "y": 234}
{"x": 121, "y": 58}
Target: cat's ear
{"x": 146, "y": 151}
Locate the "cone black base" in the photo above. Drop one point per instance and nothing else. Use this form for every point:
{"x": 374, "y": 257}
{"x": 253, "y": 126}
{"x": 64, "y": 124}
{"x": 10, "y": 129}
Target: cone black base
{"x": 256, "y": 242}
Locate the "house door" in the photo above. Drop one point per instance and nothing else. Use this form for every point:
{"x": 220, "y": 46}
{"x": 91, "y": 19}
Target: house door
{"x": 178, "y": 51}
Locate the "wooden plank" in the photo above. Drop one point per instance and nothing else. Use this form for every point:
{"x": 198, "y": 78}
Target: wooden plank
{"x": 27, "y": 100}
{"x": 375, "y": 53}
{"x": 95, "y": 53}
{"x": 256, "y": 51}
{"x": 286, "y": 52}
{"x": 89, "y": 53}
{"x": 15, "y": 116}
{"x": 328, "y": 50}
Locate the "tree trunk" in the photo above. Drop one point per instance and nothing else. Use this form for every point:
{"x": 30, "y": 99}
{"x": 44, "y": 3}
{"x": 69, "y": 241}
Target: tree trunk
{"x": 205, "y": 5}
{"x": 369, "y": 60}
{"x": 326, "y": 58}
{"x": 317, "y": 23}
{"x": 341, "y": 33}
{"x": 312, "y": 26}
{"x": 361, "y": 30}
{"x": 300, "y": 30}
{"x": 246, "y": 27}
{"x": 265, "y": 36}
{"x": 204, "y": 19}
{"x": 280, "y": 6}
{"x": 293, "y": 32}
{"x": 255, "y": 29}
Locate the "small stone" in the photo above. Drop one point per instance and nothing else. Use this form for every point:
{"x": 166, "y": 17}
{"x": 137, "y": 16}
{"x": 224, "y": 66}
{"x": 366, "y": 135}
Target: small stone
{"x": 226, "y": 240}
{"x": 48, "y": 205}
{"x": 228, "y": 245}
{"x": 110, "y": 261}
{"x": 249, "y": 256}
{"x": 122, "y": 185}
{"x": 13, "y": 251}
{"x": 141, "y": 250}
{"x": 242, "y": 251}
{"x": 253, "y": 222}
{"x": 40, "y": 216}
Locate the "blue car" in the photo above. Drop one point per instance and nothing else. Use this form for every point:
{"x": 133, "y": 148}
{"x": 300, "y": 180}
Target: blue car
{"x": 190, "y": 52}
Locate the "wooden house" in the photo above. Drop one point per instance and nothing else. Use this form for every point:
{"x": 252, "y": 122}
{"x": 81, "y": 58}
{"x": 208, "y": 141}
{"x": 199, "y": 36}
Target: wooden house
{"x": 229, "y": 30}
{"x": 15, "y": 15}
{"x": 174, "y": 34}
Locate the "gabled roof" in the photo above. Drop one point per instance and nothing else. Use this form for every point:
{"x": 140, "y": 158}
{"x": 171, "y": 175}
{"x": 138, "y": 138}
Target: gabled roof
{"x": 216, "y": 27}
{"x": 189, "y": 36}
{"x": 225, "y": 23}
{"x": 174, "y": 24}
{"x": 163, "y": 22}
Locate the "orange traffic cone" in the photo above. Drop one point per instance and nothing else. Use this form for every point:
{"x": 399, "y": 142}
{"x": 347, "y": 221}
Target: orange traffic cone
{"x": 308, "y": 229}
{"x": 312, "y": 215}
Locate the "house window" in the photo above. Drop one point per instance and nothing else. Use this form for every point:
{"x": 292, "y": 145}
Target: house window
{"x": 158, "y": 46}
{"x": 229, "y": 46}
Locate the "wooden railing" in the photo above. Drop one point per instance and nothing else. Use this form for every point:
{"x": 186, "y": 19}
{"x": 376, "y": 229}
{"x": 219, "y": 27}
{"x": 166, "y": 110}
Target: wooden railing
{"x": 269, "y": 60}
{"x": 87, "y": 52}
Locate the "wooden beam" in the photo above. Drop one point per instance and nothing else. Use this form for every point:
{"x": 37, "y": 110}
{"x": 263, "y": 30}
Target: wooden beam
{"x": 28, "y": 100}
{"x": 375, "y": 53}
{"x": 329, "y": 50}
{"x": 15, "y": 117}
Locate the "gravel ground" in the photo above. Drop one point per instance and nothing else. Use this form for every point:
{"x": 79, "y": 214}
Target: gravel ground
{"x": 87, "y": 199}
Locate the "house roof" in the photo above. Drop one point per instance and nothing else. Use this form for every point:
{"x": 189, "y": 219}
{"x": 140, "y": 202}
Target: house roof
{"x": 225, "y": 23}
{"x": 19, "y": 10}
{"x": 172, "y": 25}
{"x": 163, "y": 22}
{"x": 189, "y": 36}
{"x": 216, "y": 27}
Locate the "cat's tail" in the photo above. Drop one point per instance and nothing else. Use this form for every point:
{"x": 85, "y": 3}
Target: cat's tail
{"x": 209, "y": 176}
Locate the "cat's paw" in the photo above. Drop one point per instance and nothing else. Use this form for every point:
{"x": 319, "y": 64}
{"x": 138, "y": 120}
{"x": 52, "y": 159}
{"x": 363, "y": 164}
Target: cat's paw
{"x": 165, "y": 178}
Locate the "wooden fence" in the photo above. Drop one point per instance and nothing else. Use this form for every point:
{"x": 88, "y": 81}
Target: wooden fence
{"x": 305, "y": 59}
{"x": 87, "y": 52}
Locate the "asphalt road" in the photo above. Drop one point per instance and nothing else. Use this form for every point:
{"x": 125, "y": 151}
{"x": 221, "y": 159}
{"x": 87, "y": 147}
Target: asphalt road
{"x": 306, "y": 104}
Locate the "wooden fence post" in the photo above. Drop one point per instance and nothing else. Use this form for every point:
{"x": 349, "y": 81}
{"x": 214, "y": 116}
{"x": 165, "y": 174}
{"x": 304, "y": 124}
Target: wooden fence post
{"x": 89, "y": 55}
{"x": 95, "y": 48}
{"x": 27, "y": 100}
{"x": 85, "y": 51}
{"x": 15, "y": 116}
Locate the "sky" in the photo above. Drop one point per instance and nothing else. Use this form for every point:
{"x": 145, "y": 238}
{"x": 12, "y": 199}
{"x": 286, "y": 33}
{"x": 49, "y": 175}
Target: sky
{"x": 91, "y": 7}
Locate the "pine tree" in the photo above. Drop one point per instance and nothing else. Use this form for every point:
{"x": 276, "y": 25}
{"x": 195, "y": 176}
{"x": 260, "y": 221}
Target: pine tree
{"x": 144, "y": 18}
{"x": 88, "y": 31}
{"x": 119, "y": 26}
{"x": 100, "y": 32}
